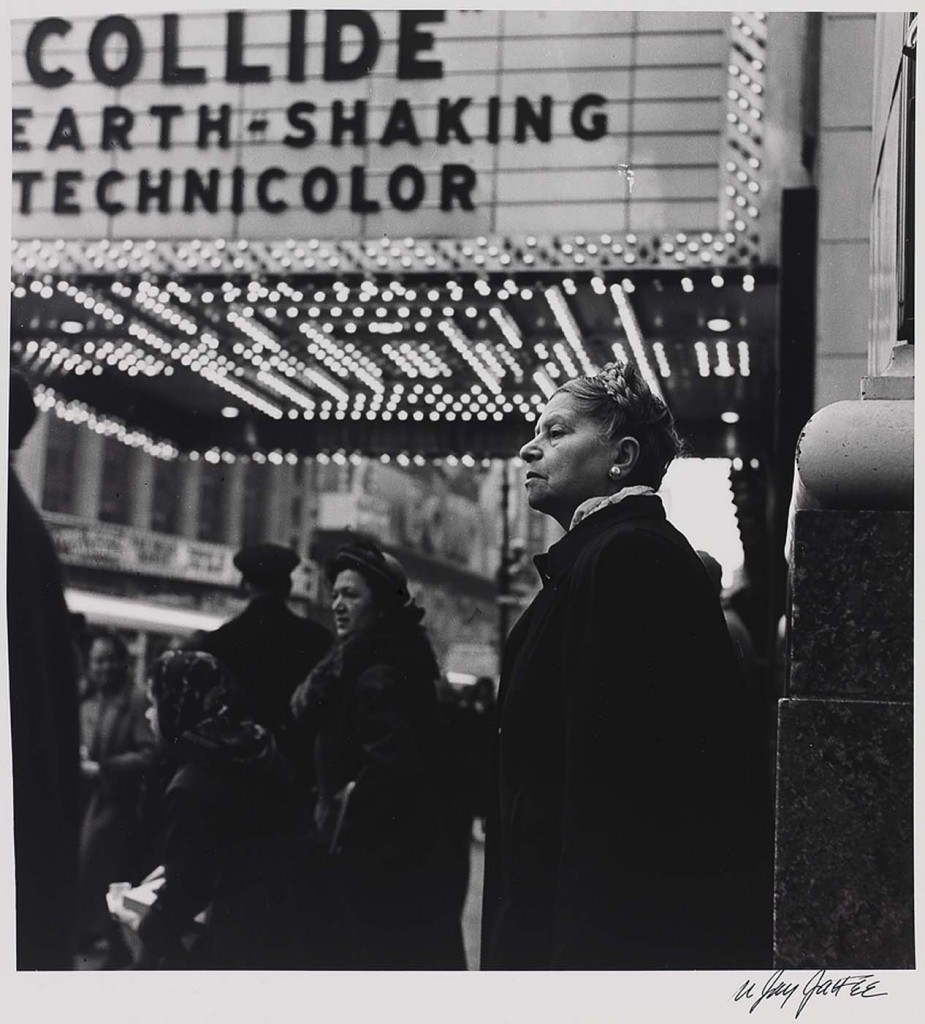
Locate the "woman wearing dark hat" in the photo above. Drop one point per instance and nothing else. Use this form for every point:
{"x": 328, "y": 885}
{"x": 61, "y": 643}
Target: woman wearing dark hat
{"x": 631, "y": 824}
{"x": 371, "y": 706}
{"x": 230, "y": 834}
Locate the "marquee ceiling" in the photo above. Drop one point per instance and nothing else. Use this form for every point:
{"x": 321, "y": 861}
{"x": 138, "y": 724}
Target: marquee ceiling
{"x": 395, "y": 365}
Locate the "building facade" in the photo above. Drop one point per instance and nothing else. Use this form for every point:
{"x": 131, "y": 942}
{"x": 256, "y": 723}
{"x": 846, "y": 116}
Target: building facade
{"x": 148, "y": 542}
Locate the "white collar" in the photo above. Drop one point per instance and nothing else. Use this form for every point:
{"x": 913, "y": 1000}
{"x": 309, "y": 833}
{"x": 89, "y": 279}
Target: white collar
{"x": 592, "y": 505}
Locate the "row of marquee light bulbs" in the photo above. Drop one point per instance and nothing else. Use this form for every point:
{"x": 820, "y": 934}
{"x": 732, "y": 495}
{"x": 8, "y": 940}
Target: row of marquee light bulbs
{"x": 479, "y": 404}
{"x": 380, "y": 255}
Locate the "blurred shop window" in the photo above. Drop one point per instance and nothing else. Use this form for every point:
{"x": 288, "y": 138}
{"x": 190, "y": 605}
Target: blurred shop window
{"x": 115, "y": 483}
{"x": 60, "y": 483}
{"x": 252, "y": 514}
{"x": 211, "y": 503}
{"x": 165, "y": 511}
{"x": 334, "y": 478}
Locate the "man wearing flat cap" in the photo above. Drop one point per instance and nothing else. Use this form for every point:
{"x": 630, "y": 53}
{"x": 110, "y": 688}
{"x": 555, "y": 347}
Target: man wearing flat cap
{"x": 267, "y": 647}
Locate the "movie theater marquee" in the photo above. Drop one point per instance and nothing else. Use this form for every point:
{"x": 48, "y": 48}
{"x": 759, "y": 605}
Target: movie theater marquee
{"x": 353, "y": 123}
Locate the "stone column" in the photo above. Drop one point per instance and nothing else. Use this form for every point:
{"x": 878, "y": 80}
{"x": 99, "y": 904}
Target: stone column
{"x": 233, "y": 504}
{"x": 844, "y": 851}
{"x": 141, "y": 496}
{"x": 189, "y": 497}
{"x": 89, "y": 474}
{"x": 279, "y": 520}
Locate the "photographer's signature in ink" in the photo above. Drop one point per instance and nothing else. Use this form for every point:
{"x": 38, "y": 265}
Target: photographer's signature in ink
{"x": 777, "y": 990}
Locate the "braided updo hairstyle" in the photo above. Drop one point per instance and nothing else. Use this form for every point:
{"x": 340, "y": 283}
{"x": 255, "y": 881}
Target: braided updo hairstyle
{"x": 620, "y": 401}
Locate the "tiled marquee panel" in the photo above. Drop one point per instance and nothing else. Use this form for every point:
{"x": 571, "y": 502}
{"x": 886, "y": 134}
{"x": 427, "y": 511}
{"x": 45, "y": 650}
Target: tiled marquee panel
{"x": 664, "y": 76}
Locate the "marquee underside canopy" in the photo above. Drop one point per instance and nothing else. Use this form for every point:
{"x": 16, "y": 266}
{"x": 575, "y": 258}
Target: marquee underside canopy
{"x": 228, "y": 353}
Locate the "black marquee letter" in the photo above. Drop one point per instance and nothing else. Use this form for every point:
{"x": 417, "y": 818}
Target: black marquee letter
{"x": 171, "y": 72}
{"x": 64, "y": 191}
{"x": 400, "y": 126}
{"x": 65, "y": 131}
{"x": 107, "y": 205}
{"x": 27, "y": 179}
{"x": 20, "y": 114}
{"x": 449, "y": 119}
{"x": 196, "y": 190}
{"x": 235, "y": 68}
{"x": 297, "y": 116}
{"x": 597, "y": 128}
{"x": 117, "y": 123}
{"x": 456, "y": 182}
{"x": 359, "y": 201}
{"x": 411, "y": 42}
{"x": 526, "y": 117}
{"x": 40, "y": 32}
{"x": 335, "y": 68}
{"x": 263, "y": 200}
{"x": 406, "y": 172}
{"x": 115, "y": 25}
{"x": 327, "y": 176}
{"x": 296, "y": 71}
{"x": 147, "y": 190}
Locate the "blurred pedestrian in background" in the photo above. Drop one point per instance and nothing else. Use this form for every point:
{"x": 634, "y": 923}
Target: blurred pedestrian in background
{"x": 117, "y": 754}
{"x": 268, "y": 649}
{"x": 475, "y": 729}
{"x": 371, "y": 708}
{"x": 43, "y": 723}
{"x": 231, "y": 836}
{"x": 738, "y": 631}
{"x": 631, "y": 828}
{"x": 80, "y": 633}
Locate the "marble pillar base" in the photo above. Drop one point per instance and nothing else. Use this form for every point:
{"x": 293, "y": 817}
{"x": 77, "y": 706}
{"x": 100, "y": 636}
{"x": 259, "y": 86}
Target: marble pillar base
{"x": 844, "y": 850}
{"x": 851, "y": 596}
{"x": 844, "y": 862}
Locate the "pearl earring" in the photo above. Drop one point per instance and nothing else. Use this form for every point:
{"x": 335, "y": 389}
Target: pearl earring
{"x": 614, "y": 472}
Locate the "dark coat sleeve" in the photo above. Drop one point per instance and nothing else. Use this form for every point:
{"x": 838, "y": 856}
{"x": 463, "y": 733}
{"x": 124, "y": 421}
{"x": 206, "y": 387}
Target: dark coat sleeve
{"x": 651, "y": 706}
{"x": 44, "y": 740}
{"x": 387, "y": 786}
{"x": 193, "y": 850}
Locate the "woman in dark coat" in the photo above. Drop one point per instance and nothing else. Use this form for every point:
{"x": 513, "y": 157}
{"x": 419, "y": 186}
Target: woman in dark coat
{"x": 231, "y": 842}
{"x": 371, "y": 706}
{"x": 117, "y": 753}
{"x": 631, "y": 827}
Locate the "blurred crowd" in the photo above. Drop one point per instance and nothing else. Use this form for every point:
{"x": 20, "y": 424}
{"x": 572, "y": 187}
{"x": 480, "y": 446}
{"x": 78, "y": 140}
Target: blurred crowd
{"x": 281, "y": 796}
{"x": 276, "y": 796}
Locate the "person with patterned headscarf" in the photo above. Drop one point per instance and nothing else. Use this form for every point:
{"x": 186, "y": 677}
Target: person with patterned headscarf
{"x": 230, "y": 833}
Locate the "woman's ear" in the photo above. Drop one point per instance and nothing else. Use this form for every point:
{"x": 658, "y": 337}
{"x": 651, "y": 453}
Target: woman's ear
{"x": 625, "y": 459}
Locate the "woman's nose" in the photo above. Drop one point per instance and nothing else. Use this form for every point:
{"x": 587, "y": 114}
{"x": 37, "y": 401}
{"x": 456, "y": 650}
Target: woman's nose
{"x": 529, "y": 451}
